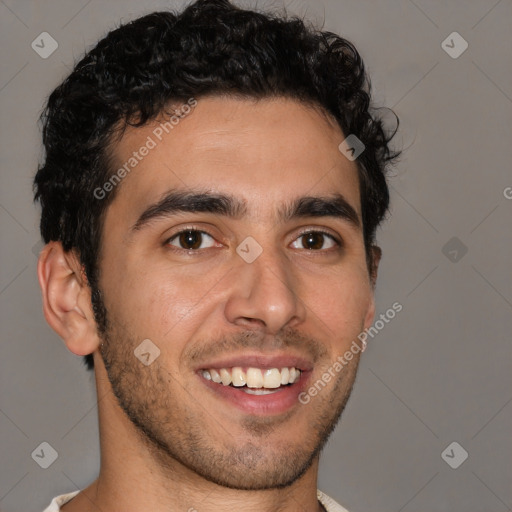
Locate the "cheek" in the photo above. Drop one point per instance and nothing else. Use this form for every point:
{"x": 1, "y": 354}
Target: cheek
{"x": 157, "y": 301}
{"x": 341, "y": 303}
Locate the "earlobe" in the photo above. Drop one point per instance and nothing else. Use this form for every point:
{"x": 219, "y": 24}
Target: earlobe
{"x": 66, "y": 299}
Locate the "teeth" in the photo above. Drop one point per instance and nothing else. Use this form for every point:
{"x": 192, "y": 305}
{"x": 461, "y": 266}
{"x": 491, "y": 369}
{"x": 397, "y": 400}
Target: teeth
{"x": 225, "y": 377}
{"x": 263, "y": 391}
{"x": 253, "y": 378}
{"x": 271, "y": 378}
{"x": 238, "y": 377}
{"x": 215, "y": 376}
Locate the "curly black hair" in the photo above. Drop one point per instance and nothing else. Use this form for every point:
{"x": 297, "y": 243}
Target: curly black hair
{"x": 211, "y": 48}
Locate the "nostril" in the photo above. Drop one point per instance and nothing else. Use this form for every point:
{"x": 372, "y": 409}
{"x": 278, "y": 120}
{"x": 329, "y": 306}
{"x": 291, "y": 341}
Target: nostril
{"x": 252, "y": 322}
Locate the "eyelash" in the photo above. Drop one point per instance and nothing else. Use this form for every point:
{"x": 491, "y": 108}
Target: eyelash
{"x": 338, "y": 242}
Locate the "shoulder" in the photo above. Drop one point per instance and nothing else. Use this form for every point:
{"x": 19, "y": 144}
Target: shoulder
{"x": 58, "y": 501}
{"x": 329, "y": 504}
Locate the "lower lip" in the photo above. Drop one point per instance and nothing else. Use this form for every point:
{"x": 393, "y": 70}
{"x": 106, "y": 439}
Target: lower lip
{"x": 274, "y": 403}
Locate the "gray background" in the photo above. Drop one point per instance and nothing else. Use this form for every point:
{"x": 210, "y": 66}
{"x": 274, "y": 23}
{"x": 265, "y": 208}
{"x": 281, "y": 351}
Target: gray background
{"x": 438, "y": 372}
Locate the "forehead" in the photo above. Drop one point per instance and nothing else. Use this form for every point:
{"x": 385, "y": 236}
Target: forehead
{"x": 264, "y": 152}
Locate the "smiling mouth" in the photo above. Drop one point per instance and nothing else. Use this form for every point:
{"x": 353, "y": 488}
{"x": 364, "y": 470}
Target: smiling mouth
{"x": 254, "y": 381}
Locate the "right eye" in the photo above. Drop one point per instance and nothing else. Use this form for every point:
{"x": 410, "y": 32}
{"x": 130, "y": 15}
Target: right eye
{"x": 191, "y": 240}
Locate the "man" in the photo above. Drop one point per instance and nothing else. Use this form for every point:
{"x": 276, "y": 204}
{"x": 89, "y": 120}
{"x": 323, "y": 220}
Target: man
{"x": 210, "y": 194}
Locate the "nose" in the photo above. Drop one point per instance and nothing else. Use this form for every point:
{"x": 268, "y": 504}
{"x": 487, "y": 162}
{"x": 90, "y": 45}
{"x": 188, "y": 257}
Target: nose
{"x": 265, "y": 295}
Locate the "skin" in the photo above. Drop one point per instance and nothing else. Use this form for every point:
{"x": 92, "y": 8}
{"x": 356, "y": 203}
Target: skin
{"x": 168, "y": 442}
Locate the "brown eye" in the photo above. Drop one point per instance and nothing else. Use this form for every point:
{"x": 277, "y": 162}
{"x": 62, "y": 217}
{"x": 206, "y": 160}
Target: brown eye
{"x": 192, "y": 239}
{"x": 315, "y": 241}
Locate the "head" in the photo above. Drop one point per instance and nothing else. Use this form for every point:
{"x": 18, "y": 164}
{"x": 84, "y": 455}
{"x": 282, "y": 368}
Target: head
{"x": 241, "y": 115}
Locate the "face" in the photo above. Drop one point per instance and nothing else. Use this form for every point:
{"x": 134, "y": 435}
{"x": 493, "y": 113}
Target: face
{"x": 235, "y": 247}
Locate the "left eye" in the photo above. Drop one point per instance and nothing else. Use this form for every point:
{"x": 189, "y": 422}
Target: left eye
{"x": 315, "y": 240}
{"x": 192, "y": 239}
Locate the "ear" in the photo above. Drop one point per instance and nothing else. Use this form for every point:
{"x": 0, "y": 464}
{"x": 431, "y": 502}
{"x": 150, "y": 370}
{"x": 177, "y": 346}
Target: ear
{"x": 376, "y": 257}
{"x": 67, "y": 299}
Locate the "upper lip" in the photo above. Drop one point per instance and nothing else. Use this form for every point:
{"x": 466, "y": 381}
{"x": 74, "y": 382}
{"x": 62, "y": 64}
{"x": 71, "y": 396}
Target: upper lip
{"x": 255, "y": 360}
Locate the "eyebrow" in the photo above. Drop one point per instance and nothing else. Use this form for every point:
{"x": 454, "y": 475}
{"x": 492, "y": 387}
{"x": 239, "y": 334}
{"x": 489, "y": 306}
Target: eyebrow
{"x": 179, "y": 201}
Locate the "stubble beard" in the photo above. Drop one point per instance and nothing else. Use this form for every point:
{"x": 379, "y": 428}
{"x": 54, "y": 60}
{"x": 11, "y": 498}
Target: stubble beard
{"x": 177, "y": 431}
